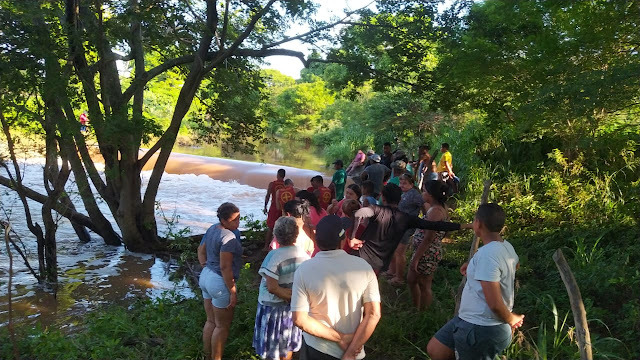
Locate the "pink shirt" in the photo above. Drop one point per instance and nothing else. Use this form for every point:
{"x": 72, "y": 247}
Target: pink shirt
{"x": 316, "y": 216}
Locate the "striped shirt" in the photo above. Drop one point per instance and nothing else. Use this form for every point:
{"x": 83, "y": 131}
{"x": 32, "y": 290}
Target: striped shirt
{"x": 279, "y": 264}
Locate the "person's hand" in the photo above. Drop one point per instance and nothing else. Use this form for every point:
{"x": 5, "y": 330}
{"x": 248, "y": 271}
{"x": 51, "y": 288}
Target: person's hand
{"x": 463, "y": 269}
{"x": 466, "y": 226}
{"x": 355, "y": 244}
{"x": 414, "y": 264}
{"x": 233, "y": 300}
{"x": 345, "y": 341}
{"x": 516, "y": 321}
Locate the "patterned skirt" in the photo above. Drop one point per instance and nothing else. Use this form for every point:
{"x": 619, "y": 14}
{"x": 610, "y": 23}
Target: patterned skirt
{"x": 428, "y": 263}
{"x": 274, "y": 334}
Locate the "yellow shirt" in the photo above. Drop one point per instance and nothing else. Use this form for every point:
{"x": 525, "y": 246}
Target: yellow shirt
{"x": 446, "y": 157}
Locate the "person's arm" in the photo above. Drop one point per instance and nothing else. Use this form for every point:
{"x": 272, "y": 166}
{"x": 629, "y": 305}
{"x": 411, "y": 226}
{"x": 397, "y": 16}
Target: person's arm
{"x": 278, "y": 200}
{"x": 448, "y": 166}
{"x": 314, "y": 327}
{"x": 364, "y": 331}
{"x": 333, "y": 207}
{"x": 276, "y": 289}
{"x": 387, "y": 174}
{"x": 226, "y": 261}
{"x": 365, "y": 175}
{"x": 266, "y": 198}
{"x": 416, "y": 222}
{"x": 493, "y": 295}
{"x": 202, "y": 254}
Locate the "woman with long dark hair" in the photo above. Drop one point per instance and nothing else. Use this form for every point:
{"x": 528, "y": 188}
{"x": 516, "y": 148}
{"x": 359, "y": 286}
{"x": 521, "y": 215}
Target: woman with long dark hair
{"x": 427, "y": 246}
{"x": 352, "y": 192}
{"x": 220, "y": 254}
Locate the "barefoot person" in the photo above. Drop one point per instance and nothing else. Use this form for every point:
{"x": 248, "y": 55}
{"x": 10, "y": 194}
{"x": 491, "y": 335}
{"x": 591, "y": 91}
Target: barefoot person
{"x": 483, "y": 327}
{"x": 427, "y": 246}
{"x": 335, "y": 298}
{"x": 273, "y": 214}
{"x": 274, "y": 335}
{"x": 220, "y": 254}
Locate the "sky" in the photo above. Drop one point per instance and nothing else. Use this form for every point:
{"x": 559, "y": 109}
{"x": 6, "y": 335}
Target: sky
{"x": 329, "y": 10}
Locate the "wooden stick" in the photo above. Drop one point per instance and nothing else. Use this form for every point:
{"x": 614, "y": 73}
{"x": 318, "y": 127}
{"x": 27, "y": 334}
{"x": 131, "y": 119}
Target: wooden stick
{"x": 474, "y": 245}
{"x": 577, "y": 306}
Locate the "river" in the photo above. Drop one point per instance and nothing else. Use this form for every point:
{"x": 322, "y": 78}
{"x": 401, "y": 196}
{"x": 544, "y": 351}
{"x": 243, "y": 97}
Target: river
{"x": 94, "y": 274}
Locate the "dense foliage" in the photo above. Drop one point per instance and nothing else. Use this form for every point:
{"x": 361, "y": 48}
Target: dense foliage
{"x": 541, "y": 97}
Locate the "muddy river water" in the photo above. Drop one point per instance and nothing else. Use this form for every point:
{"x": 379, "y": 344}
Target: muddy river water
{"x": 94, "y": 274}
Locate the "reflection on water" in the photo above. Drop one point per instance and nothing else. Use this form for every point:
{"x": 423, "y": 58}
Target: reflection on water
{"x": 89, "y": 276}
{"x": 286, "y": 152}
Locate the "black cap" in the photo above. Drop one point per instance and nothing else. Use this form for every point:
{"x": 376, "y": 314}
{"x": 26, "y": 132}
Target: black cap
{"x": 330, "y": 231}
{"x": 338, "y": 162}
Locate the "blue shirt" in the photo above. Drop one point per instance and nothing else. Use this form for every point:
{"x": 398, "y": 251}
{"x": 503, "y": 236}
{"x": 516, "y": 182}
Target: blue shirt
{"x": 218, "y": 239}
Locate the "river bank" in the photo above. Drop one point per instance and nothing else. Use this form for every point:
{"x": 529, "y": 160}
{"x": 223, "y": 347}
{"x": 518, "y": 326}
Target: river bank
{"x": 93, "y": 275}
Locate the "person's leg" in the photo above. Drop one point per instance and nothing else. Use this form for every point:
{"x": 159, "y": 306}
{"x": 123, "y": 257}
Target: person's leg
{"x": 476, "y": 342}
{"x": 426, "y": 294}
{"x": 401, "y": 263}
{"x": 208, "y": 328}
{"x": 439, "y": 351}
{"x": 391, "y": 271}
{"x": 219, "y": 336}
{"x": 442, "y": 345}
{"x": 414, "y": 287}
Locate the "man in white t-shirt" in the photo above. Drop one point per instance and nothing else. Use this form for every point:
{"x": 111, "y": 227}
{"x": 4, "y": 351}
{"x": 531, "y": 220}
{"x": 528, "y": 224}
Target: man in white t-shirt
{"x": 483, "y": 327}
{"x": 335, "y": 298}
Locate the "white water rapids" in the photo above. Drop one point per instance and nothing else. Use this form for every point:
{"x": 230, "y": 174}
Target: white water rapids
{"x": 94, "y": 274}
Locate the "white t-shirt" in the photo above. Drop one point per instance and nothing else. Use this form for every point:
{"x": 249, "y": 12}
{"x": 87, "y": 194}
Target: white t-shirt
{"x": 279, "y": 264}
{"x": 495, "y": 262}
{"x": 333, "y": 287}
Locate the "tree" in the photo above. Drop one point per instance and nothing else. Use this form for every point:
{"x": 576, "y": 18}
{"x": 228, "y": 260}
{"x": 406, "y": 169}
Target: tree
{"x": 74, "y": 48}
{"x": 547, "y": 67}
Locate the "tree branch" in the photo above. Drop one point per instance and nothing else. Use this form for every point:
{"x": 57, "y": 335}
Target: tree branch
{"x": 225, "y": 25}
{"x": 313, "y": 31}
{"x": 60, "y": 208}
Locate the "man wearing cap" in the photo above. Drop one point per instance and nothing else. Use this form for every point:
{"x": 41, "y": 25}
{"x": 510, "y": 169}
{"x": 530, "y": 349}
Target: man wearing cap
{"x": 369, "y": 162}
{"x": 397, "y": 168}
{"x": 377, "y": 173}
{"x": 335, "y": 298}
{"x": 338, "y": 180}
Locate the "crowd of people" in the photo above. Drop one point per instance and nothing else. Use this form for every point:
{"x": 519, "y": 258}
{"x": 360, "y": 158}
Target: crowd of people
{"x": 327, "y": 247}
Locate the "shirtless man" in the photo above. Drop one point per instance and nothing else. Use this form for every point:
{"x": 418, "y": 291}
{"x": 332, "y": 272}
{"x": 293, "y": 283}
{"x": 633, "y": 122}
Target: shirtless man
{"x": 273, "y": 214}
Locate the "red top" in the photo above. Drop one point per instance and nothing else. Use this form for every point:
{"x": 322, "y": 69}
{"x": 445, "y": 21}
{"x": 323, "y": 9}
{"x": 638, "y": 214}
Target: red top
{"x": 286, "y": 194}
{"x": 324, "y": 197}
{"x": 275, "y": 186}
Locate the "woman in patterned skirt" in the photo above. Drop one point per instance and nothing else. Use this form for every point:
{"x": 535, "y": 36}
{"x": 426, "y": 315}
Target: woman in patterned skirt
{"x": 275, "y": 337}
{"x": 427, "y": 246}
